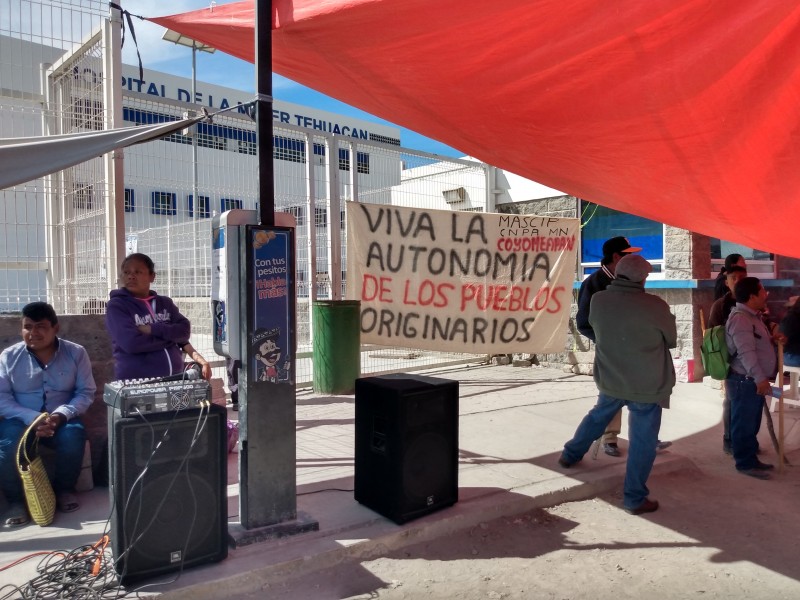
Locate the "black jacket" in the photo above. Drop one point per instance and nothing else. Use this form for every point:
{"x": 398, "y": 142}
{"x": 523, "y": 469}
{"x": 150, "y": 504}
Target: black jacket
{"x": 596, "y": 282}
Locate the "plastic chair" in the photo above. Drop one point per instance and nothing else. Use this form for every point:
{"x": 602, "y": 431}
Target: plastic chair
{"x": 791, "y": 396}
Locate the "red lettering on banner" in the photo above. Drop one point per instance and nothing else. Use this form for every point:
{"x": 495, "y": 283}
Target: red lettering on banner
{"x": 372, "y": 288}
{"x": 503, "y": 298}
{"x": 555, "y": 299}
{"x": 428, "y": 294}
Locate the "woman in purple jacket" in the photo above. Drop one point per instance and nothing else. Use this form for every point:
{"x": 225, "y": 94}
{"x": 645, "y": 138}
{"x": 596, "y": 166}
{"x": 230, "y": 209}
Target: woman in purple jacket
{"x": 148, "y": 332}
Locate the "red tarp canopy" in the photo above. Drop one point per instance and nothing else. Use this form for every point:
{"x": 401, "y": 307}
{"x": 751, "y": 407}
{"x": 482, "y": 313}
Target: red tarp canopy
{"x": 683, "y": 111}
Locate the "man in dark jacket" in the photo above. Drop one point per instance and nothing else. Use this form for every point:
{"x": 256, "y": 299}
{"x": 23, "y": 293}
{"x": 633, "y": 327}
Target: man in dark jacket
{"x": 613, "y": 250}
{"x": 633, "y": 368}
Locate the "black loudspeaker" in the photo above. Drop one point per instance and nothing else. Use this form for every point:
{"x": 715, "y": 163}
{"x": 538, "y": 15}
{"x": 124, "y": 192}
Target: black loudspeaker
{"x": 168, "y": 486}
{"x": 406, "y": 455}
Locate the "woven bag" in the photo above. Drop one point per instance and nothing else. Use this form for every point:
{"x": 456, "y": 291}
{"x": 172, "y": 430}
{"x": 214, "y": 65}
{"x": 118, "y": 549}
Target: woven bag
{"x": 39, "y": 493}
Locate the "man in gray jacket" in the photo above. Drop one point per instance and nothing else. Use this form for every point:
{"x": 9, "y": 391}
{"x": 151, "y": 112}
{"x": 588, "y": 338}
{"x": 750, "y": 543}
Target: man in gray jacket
{"x": 753, "y": 362}
{"x": 633, "y": 368}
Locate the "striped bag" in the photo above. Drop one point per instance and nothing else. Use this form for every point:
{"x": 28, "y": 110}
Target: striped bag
{"x": 39, "y": 493}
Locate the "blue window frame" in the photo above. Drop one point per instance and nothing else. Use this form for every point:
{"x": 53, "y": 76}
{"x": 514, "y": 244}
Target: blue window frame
{"x": 599, "y": 223}
{"x": 163, "y": 203}
{"x": 130, "y": 200}
{"x": 230, "y": 204}
{"x": 203, "y": 206}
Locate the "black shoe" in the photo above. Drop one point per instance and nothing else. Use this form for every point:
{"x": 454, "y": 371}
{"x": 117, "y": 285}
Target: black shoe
{"x": 758, "y": 474}
{"x": 759, "y": 466}
{"x": 647, "y": 506}
{"x": 662, "y": 445}
{"x": 235, "y": 407}
{"x": 611, "y": 449}
{"x": 565, "y": 463}
{"x": 726, "y": 447}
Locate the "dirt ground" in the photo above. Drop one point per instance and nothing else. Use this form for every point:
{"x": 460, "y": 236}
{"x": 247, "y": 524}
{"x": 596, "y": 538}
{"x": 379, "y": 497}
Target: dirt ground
{"x": 717, "y": 535}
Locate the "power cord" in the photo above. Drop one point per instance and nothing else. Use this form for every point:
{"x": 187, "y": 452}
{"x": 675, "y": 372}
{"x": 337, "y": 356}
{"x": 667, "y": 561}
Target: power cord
{"x": 86, "y": 572}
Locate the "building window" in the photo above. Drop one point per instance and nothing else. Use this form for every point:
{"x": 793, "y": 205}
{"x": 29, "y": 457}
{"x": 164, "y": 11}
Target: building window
{"x": 321, "y": 216}
{"x": 299, "y": 213}
{"x": 230, "y": 204}
{"x": 130, "y": 203}
{"x": 87, "y": 114}
{"x": 344, "y": 159}
{"x": 206, "y": 140}
{"x": 760, "y": 264}
{"x": 289, "y": 149}
{"x": 599, "y": 223}
{"x": 247, "y": 147}
{"x": 83, "y": 196}
{"x": 203, "y": 206}
{"x": 163, "y": 203}
{"x": 177, "y": 137}
{"x": 362, "y": 159}
{"x": 362, "y": 162}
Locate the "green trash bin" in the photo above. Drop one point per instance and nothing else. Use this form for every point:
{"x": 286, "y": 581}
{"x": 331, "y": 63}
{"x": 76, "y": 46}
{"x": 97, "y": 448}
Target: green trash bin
{"x": 337, "y": 345}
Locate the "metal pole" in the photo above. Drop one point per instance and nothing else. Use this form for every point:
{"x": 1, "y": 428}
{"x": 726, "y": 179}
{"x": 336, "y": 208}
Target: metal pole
{"x": 195, "y": 199}
{"x": 264, "y": 134}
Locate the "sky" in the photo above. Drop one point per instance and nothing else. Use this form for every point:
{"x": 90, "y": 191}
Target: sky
{"x": 225, "y": 70}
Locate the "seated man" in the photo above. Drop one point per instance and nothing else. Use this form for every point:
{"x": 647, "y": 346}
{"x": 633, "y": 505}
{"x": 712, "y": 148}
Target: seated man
{"x": 43, "y": 373}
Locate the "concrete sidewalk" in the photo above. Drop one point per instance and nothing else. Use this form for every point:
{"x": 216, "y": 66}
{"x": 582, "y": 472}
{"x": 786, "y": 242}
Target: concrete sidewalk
{"x": 513, "y": 423}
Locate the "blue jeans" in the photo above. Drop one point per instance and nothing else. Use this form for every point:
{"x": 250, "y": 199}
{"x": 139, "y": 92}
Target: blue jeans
{"x": 68, "y": 443}
{"x": 746, "y": 408}
{"x": 644, "y": 422}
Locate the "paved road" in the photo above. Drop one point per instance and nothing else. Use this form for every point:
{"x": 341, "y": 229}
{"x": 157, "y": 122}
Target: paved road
{"x": 718, "y": 535}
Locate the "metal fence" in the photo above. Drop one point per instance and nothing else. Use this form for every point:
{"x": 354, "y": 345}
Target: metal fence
{"x": 65, "y": 234}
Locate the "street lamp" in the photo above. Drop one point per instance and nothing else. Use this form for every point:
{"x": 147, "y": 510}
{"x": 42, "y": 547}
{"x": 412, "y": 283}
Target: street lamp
{"x": 182, "y": 40}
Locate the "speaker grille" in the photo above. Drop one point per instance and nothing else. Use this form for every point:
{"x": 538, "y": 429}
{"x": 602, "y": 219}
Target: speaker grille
{"x": 169, "y": 494}
{"x": 406, "y": 445}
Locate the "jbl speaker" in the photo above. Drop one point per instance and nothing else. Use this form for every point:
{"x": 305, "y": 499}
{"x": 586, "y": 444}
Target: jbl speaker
{"x": 168, "y": 486}
{"x": 406, "y": 455}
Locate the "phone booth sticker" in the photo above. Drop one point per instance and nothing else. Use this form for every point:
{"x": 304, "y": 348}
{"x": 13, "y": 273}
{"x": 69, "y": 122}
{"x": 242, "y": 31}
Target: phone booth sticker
{"x": 270, "y": 339}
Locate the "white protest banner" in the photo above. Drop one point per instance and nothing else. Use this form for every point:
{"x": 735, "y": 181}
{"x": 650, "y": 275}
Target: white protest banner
{"x": 460, "y": 281}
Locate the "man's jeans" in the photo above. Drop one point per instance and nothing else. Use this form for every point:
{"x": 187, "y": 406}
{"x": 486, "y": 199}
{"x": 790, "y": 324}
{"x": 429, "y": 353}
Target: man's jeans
{"x": 68, "y": 443}
{"x": 746, "y": 408}
{"x": 644, "y": 423}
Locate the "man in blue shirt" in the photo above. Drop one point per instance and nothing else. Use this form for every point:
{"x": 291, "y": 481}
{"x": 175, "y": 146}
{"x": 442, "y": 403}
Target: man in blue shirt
{"x": 43, "y": 373}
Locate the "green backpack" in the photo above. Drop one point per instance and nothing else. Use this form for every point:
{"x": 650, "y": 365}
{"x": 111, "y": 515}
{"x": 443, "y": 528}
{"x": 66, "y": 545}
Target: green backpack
{"x": 714, "y": 353}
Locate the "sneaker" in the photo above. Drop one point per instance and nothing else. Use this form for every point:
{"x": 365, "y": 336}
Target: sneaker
{"x": 647, "y": 506}
{"x": 757, "y": 473}
{"x": 611, "y": 449}
{"x": 662, "y": 445}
